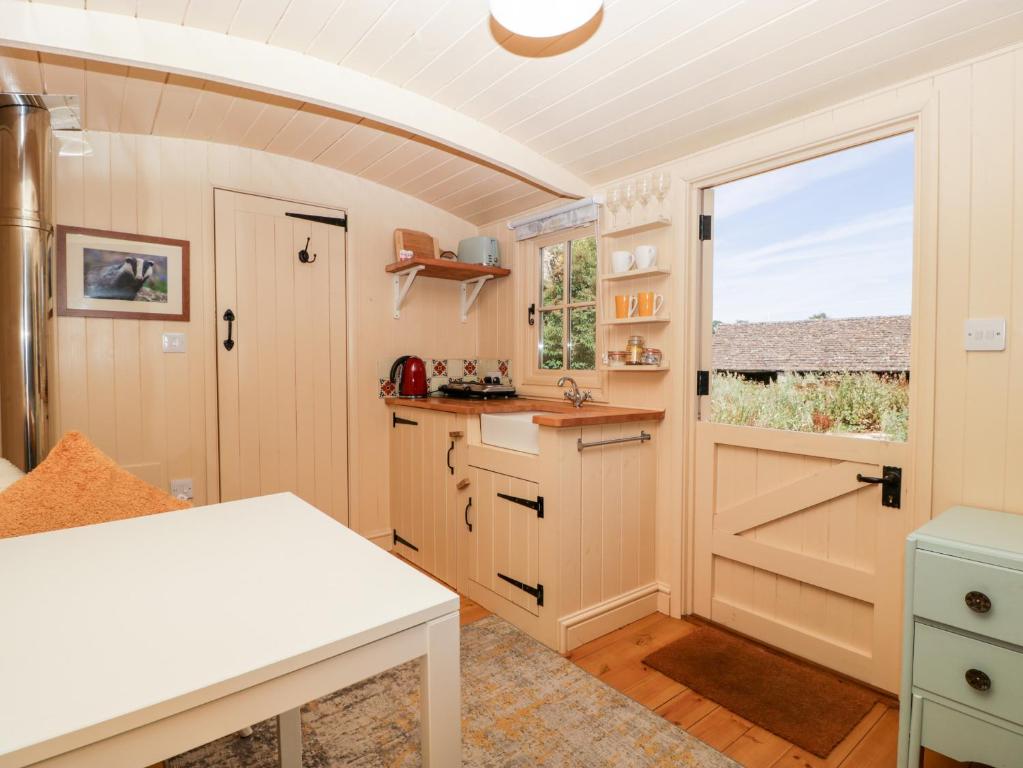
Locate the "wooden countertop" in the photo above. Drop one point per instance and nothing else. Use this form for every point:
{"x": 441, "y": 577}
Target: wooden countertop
{"x": 557, "y": 414}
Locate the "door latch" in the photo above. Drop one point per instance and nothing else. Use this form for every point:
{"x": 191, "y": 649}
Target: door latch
{"x": 891, "y": 486}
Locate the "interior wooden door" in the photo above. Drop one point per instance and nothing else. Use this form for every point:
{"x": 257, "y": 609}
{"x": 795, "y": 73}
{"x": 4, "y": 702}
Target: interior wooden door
{"x": 282, "y": 378}
{"x": 793, "y": 543}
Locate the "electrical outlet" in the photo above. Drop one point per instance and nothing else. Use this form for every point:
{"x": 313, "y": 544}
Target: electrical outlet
{"x": 175, "y": 342}
{"x": 181, "y": 489}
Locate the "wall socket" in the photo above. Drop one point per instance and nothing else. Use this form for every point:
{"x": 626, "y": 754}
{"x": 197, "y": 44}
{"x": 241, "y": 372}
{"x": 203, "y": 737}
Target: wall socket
{"x": 984, "y": 334}
{"x": 181, "y": 489}
{"x": 175, "y": 343}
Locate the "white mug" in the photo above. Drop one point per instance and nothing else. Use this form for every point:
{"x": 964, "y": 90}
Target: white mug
{"x": 646, "y": 256}
{"x": 622, "y": 261}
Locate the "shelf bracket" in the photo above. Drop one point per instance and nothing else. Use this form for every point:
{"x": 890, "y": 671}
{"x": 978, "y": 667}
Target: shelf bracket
{"x": 401, "y": 287}
{"x": 466, "y": 297}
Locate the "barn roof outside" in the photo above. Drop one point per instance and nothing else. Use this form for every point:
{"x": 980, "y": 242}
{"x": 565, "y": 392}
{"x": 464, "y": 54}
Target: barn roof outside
{"x": 852, "y": 344}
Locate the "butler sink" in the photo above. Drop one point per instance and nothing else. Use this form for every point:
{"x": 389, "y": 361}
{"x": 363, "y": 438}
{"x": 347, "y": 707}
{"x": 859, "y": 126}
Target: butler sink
{"x": 514, "y": 431}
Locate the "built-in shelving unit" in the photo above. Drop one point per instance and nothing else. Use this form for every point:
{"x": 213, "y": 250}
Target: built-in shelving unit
{"x": 634, "y": 273}
{"x": 635, "y": 368}
{"x": 470, "y": 276}
{"x": 662, "y": 318}
{"x": 640, "y": 226}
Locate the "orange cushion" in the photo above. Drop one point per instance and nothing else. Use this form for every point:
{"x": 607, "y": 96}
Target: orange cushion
{"x": 77, "y": 484}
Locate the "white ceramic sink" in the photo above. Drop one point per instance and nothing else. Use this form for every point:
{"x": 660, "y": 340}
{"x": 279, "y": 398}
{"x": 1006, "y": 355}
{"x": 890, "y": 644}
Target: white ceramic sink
{"x": 514, "y": 431}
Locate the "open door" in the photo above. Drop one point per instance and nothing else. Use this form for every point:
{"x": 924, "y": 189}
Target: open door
{"x": 804, "y": 472}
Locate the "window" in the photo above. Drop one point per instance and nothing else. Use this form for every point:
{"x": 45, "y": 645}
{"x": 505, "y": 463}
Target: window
{"x": 568, "y": 305}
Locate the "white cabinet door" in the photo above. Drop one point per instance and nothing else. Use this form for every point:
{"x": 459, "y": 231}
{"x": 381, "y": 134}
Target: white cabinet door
{"x": 505, "y": 539}
{"x": 424, "y": 512}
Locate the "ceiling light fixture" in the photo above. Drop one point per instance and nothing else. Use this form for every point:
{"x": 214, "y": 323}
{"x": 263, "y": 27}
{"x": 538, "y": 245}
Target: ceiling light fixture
{"x": 543, "y": 18}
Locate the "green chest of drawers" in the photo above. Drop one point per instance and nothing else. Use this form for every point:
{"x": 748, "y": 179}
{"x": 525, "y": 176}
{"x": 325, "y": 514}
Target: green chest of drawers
{"x": 962, "y": 673}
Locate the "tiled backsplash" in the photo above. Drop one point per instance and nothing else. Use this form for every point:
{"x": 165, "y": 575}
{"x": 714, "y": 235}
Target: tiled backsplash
{"x": 440, "y": 371}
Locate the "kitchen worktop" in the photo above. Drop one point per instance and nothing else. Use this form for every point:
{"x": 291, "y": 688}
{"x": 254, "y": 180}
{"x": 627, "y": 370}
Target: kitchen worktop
{"x": 557, "y": 414}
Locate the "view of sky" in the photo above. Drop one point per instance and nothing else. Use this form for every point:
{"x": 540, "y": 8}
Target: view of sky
{"x": 832, "y": 235}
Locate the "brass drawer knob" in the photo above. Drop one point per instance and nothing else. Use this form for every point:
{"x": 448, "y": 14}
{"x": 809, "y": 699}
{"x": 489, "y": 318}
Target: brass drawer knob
{"x": 978, "y": 602}
{"x": 977, "y": 680}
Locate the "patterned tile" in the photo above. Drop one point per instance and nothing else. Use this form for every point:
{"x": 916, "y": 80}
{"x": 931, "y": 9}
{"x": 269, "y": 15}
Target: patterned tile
{"x": 387, "y": 388}
{"x": 470, "y": 368}
{"x": 504, "y": 366}
{"x": 439, "y": 367}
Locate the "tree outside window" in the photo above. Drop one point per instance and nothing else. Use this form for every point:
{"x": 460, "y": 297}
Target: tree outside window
{"x": 568, "y": 305}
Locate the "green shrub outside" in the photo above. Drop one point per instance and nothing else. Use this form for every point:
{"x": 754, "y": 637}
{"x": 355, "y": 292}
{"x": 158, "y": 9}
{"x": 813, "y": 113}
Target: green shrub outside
{"x": 860, "y": 403}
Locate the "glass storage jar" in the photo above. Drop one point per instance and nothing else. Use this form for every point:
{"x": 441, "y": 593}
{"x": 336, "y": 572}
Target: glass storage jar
{"x": 634, "y": 351}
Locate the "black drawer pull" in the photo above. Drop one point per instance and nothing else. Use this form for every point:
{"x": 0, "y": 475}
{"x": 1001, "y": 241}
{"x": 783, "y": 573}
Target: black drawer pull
{"x": 978, "y": 602}
{"x": 467, "y": 508}
{"x": 977, "y": 680}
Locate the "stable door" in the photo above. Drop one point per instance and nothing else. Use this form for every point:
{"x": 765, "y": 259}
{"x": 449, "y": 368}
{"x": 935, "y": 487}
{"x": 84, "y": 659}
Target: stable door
{"x": 281, "y": 350}
{"x": 805, "y": 440}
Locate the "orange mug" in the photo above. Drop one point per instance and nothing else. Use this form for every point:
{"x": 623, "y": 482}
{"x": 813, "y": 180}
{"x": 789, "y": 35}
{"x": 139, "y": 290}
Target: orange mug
{"x": 625, "y": 306}
{"x": 649, "y": 303}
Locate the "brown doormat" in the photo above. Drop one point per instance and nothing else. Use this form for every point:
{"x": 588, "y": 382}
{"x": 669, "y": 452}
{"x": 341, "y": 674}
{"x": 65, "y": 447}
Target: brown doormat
{"x": 801, "y": 703}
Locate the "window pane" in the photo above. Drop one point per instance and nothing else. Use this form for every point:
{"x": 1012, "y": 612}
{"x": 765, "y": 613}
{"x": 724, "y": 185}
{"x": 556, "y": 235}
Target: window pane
{"x": 552, "y": 340}
{"x": 552, "y": 275}
{"x": 584, "y": 270}
{"x": 582, "y": 351}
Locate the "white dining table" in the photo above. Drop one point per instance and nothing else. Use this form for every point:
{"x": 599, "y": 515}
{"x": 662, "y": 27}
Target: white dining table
{"x": 126, "y": 643}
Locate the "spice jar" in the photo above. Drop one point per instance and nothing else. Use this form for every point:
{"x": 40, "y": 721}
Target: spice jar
{"x": 651, "y": 356}
{"x": 634, "y": 351}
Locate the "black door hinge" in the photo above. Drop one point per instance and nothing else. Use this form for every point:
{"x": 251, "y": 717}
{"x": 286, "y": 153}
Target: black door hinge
{"x": 891, "y": 486}
{"x": 399, "y": 540}
{"x": 536, "y": 591}
{"x": 702, "y": 383}
{"x": 396, "y": 420}
{"x": 537, "y": 505}
{"x": 330, "y": 221}
{"x": 705, "y": 227}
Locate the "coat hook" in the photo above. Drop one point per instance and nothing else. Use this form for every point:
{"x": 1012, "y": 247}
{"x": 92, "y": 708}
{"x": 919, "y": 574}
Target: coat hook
{"x": 304, "y": 256}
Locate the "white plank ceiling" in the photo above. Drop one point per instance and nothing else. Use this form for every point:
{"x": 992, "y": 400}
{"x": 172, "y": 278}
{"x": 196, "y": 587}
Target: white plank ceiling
{"x": 658, "y": 79}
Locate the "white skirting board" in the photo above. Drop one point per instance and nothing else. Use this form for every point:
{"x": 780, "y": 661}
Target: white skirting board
{"x": 590, "y": 623}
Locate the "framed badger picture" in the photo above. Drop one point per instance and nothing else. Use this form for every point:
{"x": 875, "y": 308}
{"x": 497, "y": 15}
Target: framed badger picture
{"x": 120, "y": 275}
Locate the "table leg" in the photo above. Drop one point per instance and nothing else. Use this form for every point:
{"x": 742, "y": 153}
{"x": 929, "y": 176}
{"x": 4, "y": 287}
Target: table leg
{"x": 441, "y": 717}
{"x": 289, "y": 738}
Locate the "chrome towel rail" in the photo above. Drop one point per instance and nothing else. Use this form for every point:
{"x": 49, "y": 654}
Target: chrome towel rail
{"x": 642, "y": 437}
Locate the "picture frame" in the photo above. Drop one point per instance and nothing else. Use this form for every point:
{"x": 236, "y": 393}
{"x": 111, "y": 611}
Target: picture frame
{"x": 120, "y": 275}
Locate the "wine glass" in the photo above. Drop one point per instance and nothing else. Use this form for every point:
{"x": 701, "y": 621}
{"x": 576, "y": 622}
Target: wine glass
{"x": 662, "y": 184}
{"x": 644, "y": 188}
{"x": 614, "y": 202}
{"x": 629, "y": 197}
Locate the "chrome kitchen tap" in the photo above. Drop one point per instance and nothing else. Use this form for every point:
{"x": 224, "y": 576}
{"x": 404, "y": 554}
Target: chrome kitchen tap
{"x": 574, "y": 396}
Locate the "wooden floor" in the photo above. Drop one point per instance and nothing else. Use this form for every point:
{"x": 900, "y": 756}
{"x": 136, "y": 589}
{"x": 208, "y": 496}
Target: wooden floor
{"x": 617, "y": 659}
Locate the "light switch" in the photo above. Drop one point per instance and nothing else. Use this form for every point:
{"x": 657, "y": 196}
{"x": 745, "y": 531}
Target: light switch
{"x": 985, "y": 334}
{"x": 175, "y": 342}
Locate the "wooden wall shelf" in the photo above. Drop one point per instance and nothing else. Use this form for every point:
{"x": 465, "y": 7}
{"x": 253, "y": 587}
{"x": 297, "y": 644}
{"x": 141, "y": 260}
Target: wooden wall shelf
{"x": 470, "y": 276}
{"x": 636, "y": 273}
{"x": 640, "y": 226}
{"x": 445, "y": 269}
{"x": 661, "y": 318}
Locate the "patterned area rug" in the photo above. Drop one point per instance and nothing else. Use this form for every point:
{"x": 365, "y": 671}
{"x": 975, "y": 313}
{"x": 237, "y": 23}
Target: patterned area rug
{"x": 522, "y": 705}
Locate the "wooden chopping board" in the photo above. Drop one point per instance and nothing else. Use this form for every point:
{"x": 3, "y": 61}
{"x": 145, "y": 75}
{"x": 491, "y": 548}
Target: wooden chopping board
{"x": 421, "y": 244}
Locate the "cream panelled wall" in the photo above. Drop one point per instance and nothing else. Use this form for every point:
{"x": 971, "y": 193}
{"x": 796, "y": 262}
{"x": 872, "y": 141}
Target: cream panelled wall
{"x": 978, "y": 184}
{"x": 157, "y": 413}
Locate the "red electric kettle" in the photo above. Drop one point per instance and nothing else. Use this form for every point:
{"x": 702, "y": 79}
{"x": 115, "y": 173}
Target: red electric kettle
{"x": 408, "y": 373}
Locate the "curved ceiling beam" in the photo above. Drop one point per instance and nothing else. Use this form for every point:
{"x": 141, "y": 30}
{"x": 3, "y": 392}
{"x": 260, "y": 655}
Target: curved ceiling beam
{"x": 231, "y": 60}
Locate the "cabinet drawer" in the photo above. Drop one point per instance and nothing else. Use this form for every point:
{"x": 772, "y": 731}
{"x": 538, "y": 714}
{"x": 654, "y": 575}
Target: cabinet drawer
{"x": 961, "y": 737}
{"x": 941, "y": 661}
{"x": 941, "y": 584}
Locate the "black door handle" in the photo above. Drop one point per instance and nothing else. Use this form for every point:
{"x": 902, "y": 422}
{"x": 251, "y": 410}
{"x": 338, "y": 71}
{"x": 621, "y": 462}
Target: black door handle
{"x": 449, "y": 457}
{"x": 467, "y": 508}
{"x": 889, "y": 478}
{"x": 229, "y": 342}
{"x": 891, "y": 485}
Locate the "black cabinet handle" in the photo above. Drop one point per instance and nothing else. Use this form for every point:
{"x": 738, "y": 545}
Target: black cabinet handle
{"x": 977, "y": 680}
{"x": 467, "y": 508}
{"x": 229, "y": 342}
{"x": 978, "y": 602}
{"x": 451, "y": 468}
